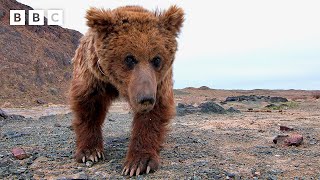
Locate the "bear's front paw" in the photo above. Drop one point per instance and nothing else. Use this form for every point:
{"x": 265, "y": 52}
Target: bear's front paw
{"x": 84, "y": 155}
{"x": 139, "y": 164}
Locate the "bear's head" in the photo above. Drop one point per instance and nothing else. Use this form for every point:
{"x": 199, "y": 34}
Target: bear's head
{"x": 135, "y": 49}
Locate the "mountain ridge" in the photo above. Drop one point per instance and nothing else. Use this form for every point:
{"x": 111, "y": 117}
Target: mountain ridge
{"x": 35, "y": 60}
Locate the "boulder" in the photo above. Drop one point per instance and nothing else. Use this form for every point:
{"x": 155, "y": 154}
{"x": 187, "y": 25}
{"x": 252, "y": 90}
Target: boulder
{"x": 211, "y": 107}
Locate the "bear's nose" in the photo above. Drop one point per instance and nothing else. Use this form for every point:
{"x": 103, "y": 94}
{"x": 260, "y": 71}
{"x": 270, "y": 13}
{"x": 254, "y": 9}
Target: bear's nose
{"x": 146, "y": 100}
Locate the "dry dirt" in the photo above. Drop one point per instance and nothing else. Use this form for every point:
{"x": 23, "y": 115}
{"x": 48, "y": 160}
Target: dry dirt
{"x": 200, "y": 146}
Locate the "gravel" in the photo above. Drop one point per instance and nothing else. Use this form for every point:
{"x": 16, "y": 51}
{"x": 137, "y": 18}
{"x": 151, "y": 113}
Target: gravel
{"x": 200, "y": 146}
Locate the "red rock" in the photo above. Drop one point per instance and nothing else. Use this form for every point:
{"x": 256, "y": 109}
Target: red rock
{"x": 285, "y": 128}
{"x": 19, "y": 153}
{"x": 288, "y": 140}
{"x": 294, "y": 140}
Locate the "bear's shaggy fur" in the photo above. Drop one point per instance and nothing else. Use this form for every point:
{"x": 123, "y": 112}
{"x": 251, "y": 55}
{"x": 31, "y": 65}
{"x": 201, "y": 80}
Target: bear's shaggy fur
{"x": 126, "y": 52}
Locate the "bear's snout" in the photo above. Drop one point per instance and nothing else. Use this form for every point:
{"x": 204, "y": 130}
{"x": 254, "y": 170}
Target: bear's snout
{"x": 146, "y": 100}
{"x": 143, "y": 89}
{"x": 145, "y": 103}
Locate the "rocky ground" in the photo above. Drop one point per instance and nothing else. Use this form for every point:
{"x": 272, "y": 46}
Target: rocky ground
{"x": 201, "y": 145}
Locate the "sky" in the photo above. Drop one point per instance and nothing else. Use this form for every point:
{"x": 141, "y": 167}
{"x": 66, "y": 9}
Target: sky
{"x": 231, "y": 44}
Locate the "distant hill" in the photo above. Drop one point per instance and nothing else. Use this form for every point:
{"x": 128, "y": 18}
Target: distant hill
{"x": 35, "y": 60}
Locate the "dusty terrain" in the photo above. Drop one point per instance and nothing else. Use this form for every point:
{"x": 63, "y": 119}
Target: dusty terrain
{"x": 200, "y": 145}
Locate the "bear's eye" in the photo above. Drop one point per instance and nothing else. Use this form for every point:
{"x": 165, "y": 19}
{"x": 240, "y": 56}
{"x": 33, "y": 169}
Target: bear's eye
{"x": 156, "y": 62}
{"x": 130, "y": 61}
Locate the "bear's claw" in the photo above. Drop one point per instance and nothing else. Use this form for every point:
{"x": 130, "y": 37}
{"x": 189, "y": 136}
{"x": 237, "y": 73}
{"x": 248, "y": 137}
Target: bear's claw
{"x": 137, "y": 167}
{"x": 125, "y": 171}
{"x": 87, "y": 155}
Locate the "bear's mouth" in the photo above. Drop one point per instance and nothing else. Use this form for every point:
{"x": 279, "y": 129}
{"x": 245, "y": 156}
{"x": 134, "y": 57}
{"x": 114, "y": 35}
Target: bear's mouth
{"x": 145, "y": 107}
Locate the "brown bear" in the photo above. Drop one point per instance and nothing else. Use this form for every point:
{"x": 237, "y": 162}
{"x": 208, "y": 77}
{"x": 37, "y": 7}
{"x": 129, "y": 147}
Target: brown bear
{"x": 127, "y": 52}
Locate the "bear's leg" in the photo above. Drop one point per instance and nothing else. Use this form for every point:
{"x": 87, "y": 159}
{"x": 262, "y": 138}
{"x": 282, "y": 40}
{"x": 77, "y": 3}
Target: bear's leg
{"x": 89, "y": 104}
{"x": 148, "y": 134}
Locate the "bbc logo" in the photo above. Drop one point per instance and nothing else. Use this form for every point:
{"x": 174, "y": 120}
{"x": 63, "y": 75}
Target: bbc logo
{"x": 36, "y": 17}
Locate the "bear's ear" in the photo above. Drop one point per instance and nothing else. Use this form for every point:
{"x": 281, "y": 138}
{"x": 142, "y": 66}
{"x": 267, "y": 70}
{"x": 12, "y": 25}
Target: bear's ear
{"x": 99, "y": 19}
{"x": 172, "y": 19}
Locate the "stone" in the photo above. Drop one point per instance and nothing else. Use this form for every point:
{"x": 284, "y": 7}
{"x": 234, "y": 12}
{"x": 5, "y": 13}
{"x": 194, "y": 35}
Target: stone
{"x": 285, "y": 128}
{"x": 231, "y": 175}
{"x": 288, "y": 140}
{"x": 313, "y": 141}
{"x": 211, "y": 107}
{"x": 89, "y": 163}
{"x": 257, "y": 173}
{"x": 181, "y": 105}
{"x": 22, "y": 87}
{"x": 3, "y": 114}
{"x": 233, "y": 110}
{"x": 17, "y": 117}
{"x": 184, "y": 109}
{"x": 57, "y": 125}
{"x": 19, "y": 153}
{"x": 294, "y": 140}
{"x": 53, "y": 91}
{"x": 40, "y": 101}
